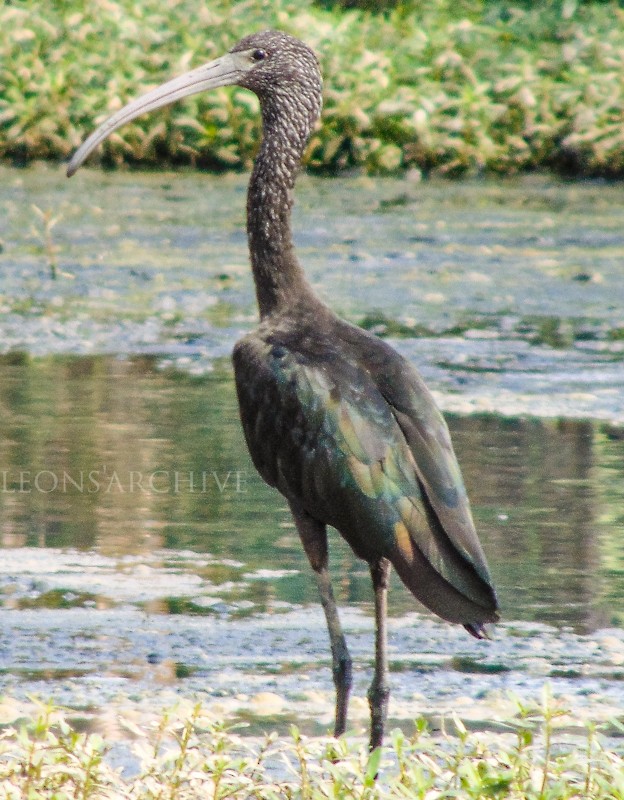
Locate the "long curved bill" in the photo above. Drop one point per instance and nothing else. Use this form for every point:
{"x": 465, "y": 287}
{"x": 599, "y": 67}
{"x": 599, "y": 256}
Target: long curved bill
{"x": 222, "y": 71}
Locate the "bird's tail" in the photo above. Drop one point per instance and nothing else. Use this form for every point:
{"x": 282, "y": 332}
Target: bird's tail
{"x": 451, "y": 588}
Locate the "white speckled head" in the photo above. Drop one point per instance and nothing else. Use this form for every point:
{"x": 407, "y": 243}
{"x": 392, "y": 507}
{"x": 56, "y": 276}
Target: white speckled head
{"x": 285, "y": 69}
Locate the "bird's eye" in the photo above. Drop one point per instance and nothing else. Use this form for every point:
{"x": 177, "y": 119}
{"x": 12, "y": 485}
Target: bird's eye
{"x": 258, "y": 55}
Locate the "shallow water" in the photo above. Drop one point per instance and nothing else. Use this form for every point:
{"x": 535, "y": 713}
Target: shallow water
{"x": 119, "y": 459}
{"x": 508, "y": 294}
{"x": 143, "y": 560}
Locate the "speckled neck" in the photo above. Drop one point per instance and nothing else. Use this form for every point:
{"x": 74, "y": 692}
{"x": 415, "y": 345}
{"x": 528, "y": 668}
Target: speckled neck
{"x": 279, "y": 278}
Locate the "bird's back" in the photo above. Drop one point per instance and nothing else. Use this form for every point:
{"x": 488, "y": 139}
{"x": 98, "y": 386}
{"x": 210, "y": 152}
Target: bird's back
{"x": 344, "y": 426}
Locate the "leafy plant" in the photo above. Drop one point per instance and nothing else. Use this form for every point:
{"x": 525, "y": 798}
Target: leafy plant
{"x": 189, "y": 754}
{"x": 454, "y": 88}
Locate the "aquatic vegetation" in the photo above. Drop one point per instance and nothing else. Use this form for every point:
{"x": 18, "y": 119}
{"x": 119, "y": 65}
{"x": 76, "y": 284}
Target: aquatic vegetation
{"x": 43, "y": 233}
{"x": 188, "y": 754}
{"x": 451, "y": 88}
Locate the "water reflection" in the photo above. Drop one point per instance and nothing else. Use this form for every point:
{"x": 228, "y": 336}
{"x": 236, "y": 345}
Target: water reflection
{"x": 119, "y": 457}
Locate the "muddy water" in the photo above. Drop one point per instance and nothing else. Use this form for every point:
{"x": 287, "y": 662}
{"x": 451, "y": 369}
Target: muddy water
{"x": 142, "y": 559}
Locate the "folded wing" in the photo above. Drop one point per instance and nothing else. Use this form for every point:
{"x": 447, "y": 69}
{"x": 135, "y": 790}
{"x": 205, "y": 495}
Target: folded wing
{"x": 367, "y": 451}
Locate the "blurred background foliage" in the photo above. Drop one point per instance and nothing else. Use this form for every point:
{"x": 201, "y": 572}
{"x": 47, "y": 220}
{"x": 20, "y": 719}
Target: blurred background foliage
{"x": 456, "y": 88}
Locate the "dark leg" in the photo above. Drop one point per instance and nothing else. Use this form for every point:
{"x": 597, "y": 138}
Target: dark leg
{"x": 379, "y": 691}
{"x": 314, "y": 537}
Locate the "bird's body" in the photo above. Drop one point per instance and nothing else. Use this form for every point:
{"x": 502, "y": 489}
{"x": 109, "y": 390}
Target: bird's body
{"x": 334, "y": 418}
{"x": 347, "y": 431}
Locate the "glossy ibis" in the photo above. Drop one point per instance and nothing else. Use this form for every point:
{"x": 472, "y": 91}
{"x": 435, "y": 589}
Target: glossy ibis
{"x": 342, "y": 425}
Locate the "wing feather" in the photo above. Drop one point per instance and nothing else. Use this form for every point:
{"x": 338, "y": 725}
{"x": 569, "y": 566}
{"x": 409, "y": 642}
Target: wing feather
{"x": 377, "y": 466}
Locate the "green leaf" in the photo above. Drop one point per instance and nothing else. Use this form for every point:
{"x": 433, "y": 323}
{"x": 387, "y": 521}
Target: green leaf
{"x": 372, "y": 766}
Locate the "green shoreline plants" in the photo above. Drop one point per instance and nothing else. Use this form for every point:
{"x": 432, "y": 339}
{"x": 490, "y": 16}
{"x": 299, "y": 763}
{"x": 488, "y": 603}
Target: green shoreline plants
{"x": 187, "y": 754}
{"x": 453, "y": 88}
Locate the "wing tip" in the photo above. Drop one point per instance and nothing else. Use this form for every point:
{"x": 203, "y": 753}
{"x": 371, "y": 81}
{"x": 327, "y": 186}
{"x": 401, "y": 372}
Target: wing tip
{"x": 471, "y": 605}
{"x": 478, "y": 630}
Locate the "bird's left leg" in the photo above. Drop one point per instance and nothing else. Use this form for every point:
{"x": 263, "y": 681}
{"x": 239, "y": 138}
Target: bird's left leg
{"x": 314, "y": 538}
{"x": 379, "y": 692}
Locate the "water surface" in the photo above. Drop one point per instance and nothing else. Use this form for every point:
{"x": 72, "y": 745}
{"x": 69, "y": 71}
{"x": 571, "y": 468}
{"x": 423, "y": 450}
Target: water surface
{"x": 120, "y": 458}
{"x": 508, "y": 294}
{"x": 143, "y": 560}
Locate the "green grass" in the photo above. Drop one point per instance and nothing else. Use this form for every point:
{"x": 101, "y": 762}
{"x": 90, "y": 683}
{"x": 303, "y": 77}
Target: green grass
{"x": 192, "y": 756}
{"x": 451, "y": 87}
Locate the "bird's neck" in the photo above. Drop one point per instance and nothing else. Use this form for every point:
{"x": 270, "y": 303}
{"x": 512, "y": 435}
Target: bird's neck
{"x": 279, "y": 278}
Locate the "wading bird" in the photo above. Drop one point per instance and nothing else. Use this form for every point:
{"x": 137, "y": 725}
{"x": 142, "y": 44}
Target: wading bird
{"x": 341, "y": 424}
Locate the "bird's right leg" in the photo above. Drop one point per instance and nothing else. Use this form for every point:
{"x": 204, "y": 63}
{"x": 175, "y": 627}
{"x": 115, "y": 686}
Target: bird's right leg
{"x": 379, "y": 692}
{"x": 314, "y": 538}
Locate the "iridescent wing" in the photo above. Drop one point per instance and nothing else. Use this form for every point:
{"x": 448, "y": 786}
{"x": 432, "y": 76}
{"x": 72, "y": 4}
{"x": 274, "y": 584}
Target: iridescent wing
{"x": 374, "y": 461}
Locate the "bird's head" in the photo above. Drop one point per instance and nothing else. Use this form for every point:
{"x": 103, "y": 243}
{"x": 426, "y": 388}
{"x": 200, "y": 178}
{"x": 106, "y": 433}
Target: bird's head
{"x": 277, "y": 67}
{"x": 274, "y": 61}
